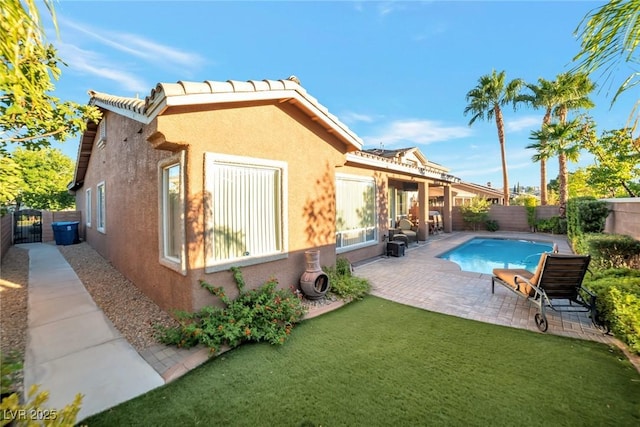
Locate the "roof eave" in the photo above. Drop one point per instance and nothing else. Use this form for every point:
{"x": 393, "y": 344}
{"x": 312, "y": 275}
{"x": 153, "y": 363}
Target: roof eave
{"x": 398, "y": 167}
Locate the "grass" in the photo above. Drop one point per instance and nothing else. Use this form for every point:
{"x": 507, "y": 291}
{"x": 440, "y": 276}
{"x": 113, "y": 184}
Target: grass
{"x": 375, "y": 362}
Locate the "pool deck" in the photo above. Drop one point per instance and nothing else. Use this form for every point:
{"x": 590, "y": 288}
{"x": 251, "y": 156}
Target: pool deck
{"x": 422, "y": 280}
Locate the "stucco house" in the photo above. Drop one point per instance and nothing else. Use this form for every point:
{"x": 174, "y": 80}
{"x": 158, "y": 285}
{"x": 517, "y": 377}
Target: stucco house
{"x": 199, "y": 177}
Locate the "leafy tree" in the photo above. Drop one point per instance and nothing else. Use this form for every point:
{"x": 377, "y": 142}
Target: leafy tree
{"x": 45, "y": 175}
{"x": 617, "y": 162}
{"x": 579, "y": 185}
{"x": 610, "y": 35}
{"x": 10, "y": 180}
{"x": 29, "y": 115}
{"x": 485, "y": 102}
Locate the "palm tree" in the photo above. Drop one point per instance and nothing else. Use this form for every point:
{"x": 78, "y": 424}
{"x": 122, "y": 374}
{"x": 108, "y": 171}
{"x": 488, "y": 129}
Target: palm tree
{"x": 562, "y": 140}
{"x": 545, "y": 95}
{"x": 567, "y": 92}
{"x": 610, "y": 36}
{"x": 573, "y": 94}
{"x": 485, "y": 102}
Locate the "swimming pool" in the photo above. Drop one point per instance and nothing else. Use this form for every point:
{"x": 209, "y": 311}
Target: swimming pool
{"x": 482, "y": 254}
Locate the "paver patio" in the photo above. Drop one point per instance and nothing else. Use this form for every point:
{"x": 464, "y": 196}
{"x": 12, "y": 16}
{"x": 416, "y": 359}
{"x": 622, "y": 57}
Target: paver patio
{"x": 422, "y": 280}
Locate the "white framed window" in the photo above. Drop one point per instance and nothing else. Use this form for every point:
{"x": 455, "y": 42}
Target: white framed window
{"x": 356, "y": 213}
{"x": 88, "y": 212}
{"x": 246, "y": 219}
{"x": 172, "y": 216}
{"x": 102, "y": 133}
{"x": 101, "y": 207}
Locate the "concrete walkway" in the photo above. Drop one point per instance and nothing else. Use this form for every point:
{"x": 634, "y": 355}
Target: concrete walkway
{"x": 71, "y": 345}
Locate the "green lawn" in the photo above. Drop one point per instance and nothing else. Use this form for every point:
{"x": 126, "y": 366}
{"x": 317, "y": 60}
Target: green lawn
{"x": 375, "y": 362}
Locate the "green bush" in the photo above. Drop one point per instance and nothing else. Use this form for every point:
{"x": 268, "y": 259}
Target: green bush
{"x": 554, "y": 225}
{"x": 10, "y": 366}
{"x": 476, "y": 213}
{"x": 585, "y": 215}
{"x": 491, "y": 225}
{"x": 263, "y": 314}
{"x": 610, "y": 250}
{"x": 530, "y": 203}
{"x": 618, "y": 302}
{"x": 343, "y": 283}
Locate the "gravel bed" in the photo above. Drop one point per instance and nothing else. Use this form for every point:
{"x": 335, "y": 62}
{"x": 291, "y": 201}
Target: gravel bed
{"x": 14, "y": 278}
{"x": 132, "y": 312}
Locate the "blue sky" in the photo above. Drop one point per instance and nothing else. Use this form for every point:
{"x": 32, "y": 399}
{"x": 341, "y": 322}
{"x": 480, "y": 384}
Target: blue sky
{"x": 395, "y": 72}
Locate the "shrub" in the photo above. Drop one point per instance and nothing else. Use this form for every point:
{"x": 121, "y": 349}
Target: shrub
{"x": 263, "y": 314}
{"x": 10, "y": 366}
{"x": 491, "y": 225}
{"x": 343, "y": 283}
{"x": 554, "y": 225}
{"x": 585, "y": 215}
{"x": 610, "y": 250}
{"x": 34, "y": 412}
{"x": 618, "y": 302}
{"x": 530, "y": 203}
{"x": 477, "y": 212}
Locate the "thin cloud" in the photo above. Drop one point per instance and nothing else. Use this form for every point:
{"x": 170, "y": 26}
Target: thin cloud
{"x": 418, "y": 132}
{"x": 385, "y": 8}
{"x": 527, "y": 122}
{"x": 137, "y": 46}
{"x": 353, "y": 117}
{"x": 84, "y": 61}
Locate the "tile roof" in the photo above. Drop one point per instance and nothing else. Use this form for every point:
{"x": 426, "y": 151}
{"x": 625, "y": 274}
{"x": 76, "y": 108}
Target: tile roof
{"x": 429, "y": 170}
{"x": 165, "y": 95}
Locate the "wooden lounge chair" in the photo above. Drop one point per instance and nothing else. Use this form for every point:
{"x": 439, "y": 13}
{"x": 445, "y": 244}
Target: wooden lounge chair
{"x": 557, "y": 277}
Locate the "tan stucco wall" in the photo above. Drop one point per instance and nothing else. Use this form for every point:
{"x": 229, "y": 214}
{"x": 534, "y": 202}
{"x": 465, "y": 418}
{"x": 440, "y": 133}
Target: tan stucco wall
{"x": 130, "y": 169}
{"x": 276, "y": 132}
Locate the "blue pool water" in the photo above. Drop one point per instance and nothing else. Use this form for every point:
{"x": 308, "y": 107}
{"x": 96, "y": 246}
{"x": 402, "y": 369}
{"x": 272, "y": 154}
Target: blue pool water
{"x": 482, "y": 255}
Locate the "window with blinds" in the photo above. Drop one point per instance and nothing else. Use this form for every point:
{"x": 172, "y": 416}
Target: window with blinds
{"x": 247, "y": 199}
{"x": 356, "y": 214}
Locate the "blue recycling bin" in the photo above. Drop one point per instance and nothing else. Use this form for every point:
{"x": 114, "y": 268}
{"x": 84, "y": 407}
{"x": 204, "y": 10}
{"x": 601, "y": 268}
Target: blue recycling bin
{"x": 66, "y": 232}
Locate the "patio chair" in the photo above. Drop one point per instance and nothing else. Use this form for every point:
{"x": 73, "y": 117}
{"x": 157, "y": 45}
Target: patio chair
{"x": 435, "y": 222}
{"x": 407, "y": 228}
{"x": 558, "y": 277}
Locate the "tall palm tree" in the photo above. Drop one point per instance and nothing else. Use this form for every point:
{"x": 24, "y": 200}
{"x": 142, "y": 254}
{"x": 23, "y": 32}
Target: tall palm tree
{"x": 573, "y": 94}
{"x": 485, "y": 102}
{"x": 562, "y": 140}
{"x": 544, "y": 95}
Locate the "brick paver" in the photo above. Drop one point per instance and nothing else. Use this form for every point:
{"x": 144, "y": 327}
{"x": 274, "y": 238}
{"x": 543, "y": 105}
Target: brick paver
{"x": 422, "y": 280}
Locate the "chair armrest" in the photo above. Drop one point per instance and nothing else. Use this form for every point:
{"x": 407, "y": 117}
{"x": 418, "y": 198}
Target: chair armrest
{"x": 517, "y": 279}
{"x": 592, "y": 295}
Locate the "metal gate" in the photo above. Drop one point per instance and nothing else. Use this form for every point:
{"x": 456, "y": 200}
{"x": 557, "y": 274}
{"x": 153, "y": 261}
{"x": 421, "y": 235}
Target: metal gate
{"x": 27, "y": 226}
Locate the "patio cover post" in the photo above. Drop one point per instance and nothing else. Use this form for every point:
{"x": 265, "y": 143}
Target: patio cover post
{"x": 423, "y": 210}
{"x": 446, "y": 214}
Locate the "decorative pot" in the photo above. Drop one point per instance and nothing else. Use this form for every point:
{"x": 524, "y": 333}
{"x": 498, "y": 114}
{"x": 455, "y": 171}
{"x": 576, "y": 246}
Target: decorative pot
{"x": 314, "y": 282}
